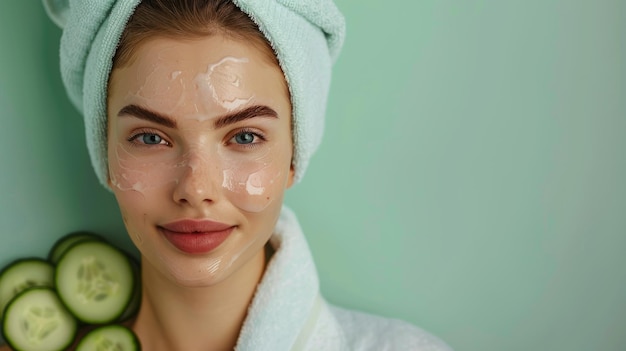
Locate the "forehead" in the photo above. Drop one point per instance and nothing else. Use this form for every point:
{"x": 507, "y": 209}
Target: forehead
{"x": 163, "y": 70}
{"x": 190, "y": 51}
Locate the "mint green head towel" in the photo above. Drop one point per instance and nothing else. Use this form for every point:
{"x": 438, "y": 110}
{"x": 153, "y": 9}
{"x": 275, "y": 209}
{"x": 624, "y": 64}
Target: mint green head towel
{"x": 306, "y": 35}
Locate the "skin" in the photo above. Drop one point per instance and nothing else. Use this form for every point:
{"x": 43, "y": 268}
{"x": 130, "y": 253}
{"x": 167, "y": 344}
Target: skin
{"x": 234, "y": 174}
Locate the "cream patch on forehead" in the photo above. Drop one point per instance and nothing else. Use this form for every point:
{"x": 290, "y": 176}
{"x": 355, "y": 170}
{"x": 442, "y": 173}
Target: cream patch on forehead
{"x": 161, "y": 88}
{"x": 223, "y": 82}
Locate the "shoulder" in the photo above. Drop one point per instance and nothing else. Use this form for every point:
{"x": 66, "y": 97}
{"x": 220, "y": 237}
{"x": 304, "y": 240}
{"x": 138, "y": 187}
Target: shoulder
{"x": 364, "y": 331}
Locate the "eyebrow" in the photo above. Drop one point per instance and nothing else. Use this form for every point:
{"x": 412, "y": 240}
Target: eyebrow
{"x": 145, "y": 114}
{"x": 246, "y": 113}
{"x": 228, "y": 119}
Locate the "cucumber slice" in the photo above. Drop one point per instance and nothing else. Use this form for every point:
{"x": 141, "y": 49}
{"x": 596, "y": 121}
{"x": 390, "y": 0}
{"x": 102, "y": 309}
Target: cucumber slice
{"x": 109, "y": 338}
{"x": 22, "y": 274}
{"x": 65, "y": 242}
{"x": 36, "y": 320}
{"x": 95, "y": 281}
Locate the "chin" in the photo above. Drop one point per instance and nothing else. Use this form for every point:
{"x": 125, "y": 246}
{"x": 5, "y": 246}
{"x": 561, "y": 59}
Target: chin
{"x": 204, "y": 270}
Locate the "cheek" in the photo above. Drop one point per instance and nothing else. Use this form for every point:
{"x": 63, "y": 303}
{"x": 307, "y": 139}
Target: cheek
{"x": 129, "y": 173}
{"x": 133, "y": 181}
{"x": 134, "y": 216}
{"x": 253, "y": 187}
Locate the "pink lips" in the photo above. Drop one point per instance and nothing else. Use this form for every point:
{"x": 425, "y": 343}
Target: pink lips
{"x": 196, "y": 237}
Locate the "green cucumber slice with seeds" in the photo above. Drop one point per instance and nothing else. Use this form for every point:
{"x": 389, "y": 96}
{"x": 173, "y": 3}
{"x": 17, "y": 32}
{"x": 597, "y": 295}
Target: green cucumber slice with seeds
{"x": 36, "y": 320}
{"x": 22, "y": 274}
{"x": 95, "y": 281}
{"x": 109, "y": 338}
{"x": 65, "y": 242}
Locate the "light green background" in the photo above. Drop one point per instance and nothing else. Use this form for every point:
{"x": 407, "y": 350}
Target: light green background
{"x": 471, "y": 180}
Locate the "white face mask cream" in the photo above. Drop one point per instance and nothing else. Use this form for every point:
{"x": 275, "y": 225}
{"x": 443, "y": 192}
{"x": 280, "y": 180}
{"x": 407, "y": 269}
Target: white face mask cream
{"x": 224, "y": 83}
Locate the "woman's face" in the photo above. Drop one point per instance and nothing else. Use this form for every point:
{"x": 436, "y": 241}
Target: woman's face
{"x": 199, "y": 151}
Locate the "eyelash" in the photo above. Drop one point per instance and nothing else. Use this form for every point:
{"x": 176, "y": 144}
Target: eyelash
{"x": 133, "y": 139}
{"x": 252, "y": 145}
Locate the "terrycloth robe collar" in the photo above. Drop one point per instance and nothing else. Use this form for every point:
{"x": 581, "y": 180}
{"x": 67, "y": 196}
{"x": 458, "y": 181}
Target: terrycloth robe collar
{"x": 288, "y": 295}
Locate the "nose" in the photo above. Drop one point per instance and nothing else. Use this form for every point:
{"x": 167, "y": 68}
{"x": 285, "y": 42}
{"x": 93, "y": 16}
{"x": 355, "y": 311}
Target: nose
{"x": 197, "y": 184}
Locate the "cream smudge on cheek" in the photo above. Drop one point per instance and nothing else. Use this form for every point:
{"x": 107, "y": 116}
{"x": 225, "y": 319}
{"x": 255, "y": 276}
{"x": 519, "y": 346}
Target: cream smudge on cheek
{"x": 129, "y": 172}
{"x": 250, "y": 183}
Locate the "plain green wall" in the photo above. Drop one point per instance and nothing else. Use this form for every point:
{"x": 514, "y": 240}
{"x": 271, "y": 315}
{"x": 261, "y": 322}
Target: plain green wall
{"x": 471, "y": 179}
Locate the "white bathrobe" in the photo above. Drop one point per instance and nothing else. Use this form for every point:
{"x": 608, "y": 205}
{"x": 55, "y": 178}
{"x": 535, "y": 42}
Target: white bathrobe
{"x": 288, "y": 312}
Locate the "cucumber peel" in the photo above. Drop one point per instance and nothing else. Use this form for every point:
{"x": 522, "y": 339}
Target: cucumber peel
{"x": 63, "y": 244}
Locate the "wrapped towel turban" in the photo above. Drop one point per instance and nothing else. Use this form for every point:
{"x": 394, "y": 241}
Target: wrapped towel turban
{"x": 306, "y": 35}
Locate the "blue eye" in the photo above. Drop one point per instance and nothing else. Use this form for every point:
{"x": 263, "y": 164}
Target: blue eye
{"x": 244, "y": 138}
{"x": 147, "y": 139}
{"x": 151, "y": 139}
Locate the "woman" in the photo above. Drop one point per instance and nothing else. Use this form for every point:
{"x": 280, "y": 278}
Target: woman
{"x": 199, "y": 115}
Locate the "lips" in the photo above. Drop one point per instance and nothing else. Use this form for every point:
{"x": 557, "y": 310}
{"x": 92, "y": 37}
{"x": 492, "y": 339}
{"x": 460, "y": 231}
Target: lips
{"x": 196, "y": 237}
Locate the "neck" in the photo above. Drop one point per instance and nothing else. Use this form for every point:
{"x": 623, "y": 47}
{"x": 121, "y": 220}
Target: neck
{"x": 174, "y": 317}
